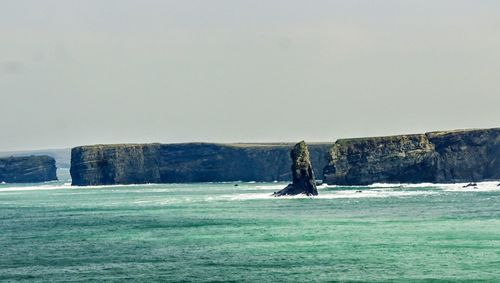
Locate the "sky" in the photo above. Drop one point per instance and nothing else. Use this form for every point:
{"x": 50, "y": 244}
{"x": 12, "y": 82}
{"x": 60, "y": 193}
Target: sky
{"x": 103, "y": 71}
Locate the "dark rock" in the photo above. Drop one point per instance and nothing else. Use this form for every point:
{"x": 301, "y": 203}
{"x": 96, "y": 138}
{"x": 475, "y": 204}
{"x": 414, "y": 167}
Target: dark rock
{"x": 470, "y": 185}
{"x": 119, "y": 164}
{"x": 188, "y": 162}
{"x": 437, "y": 157}
{"x": 303, "y": 176}
{"x": 61, "y": 155}
{"x": 27, "y": 169}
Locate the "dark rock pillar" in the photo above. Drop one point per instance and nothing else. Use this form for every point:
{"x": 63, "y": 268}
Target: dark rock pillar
{"x": 302, "y": 173}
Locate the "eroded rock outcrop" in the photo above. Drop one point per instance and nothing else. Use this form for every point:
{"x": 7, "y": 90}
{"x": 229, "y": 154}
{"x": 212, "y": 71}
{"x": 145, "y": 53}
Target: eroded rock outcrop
{"x": 437, "y": 157}
{"x": 115, "y": 164}
{"x": 27, "y": 169}
{"x": 186, "y": 162}
{"x": 303, "y": 181}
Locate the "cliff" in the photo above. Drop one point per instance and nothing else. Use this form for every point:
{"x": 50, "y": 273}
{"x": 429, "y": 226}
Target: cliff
{"x": 115, "y": 164}
{"x": 438, "y": 157}
{"x": 61, "y": 155}
{"x": 302, "y": 173}
{"x": 188, "y": 162}
{"x": 27, "y": 169}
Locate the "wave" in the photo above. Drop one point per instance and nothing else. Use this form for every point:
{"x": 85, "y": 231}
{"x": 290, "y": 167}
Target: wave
{"x": 34, "y": 188}
{"x": 64, "y": 186}
{"x": 480, "y": 186}
{"x": 271, "y": 187}
{"x": 329, "y": 191}
{"x": 335, "y": 195}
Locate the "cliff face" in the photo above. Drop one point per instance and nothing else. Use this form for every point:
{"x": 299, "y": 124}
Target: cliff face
{"x": 467, "y": 155}
{"x": 61, "y": 155}
{"x": 180, "y": 163}
{"x": 27, "y": 169}
{"x": 454, "y": 156}
{"x": 115, "y": 164}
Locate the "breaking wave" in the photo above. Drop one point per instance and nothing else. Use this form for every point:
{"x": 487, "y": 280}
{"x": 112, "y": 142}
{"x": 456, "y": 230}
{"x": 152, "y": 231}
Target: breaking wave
{"x": 247, "y": 191}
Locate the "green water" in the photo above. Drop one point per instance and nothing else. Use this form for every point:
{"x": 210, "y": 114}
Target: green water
{"x": 222, "y": 232}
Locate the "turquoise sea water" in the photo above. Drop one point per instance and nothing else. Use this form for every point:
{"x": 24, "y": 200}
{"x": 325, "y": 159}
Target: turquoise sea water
{"x": 221, "y": 232}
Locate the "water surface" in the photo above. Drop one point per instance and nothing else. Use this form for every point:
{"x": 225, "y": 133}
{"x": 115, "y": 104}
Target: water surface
{"x": 221, "y": 232}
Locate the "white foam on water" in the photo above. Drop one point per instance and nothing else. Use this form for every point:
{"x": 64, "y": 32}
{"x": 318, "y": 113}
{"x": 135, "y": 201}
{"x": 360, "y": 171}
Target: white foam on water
{"x": 64, "y": 186}
{"x": 401, "y": 185}
{"x": 331, "y": 195}
{"x": 141, "y": 201}
{"x": 481, "y": 186}
{"x": 271, "y": 187}
{"x": 34, "y": 188}
{"x": 490, "y": 186}
{"x": 115, "y": 186}
{"x": 381, "y": 194}
{"x": 249, "y": 196}
{"x": 420, "y": 185}
{"x": 275, "y": 188}
{"x": 374, "y": 190}
{"x": 379, "y": 190}
{"x": 322, "y": 186}
{"x": 384, "y": 185}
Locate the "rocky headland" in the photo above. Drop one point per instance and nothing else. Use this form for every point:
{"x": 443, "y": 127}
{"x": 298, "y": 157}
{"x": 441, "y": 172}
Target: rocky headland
{"x": 437, "y": 157}
{"x": 27, "y": 169}
{"x": 187, "y": 162}
{"x": 61, "y": 155}
{"x": 303, "y": 181}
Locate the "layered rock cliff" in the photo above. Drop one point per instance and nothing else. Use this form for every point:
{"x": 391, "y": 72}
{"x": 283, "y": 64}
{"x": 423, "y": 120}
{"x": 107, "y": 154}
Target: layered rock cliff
{"x": 188, "y": 162}
{"x": 61, "y": 155}
{"x": 27, "y": 169}
{"x": 438, "y": 157}
{"x": 115, "y": 164}
{"x": 303, "y": 181}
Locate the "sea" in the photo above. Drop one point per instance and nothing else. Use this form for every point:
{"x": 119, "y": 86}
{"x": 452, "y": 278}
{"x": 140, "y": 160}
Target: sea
{"x": 239, "y": 232}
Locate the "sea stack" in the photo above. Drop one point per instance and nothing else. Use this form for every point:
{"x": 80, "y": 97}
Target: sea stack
{"x": 302, "y": 173}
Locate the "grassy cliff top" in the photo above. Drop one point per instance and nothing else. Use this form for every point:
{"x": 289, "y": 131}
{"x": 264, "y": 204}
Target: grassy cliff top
{"x": 411, "y": 136}
{"x": 290, "y": 144}
{"x": 239, "y": 145}
{"x": 116, "y": 145}
{"x": 26, "y": 158}
{"x": 459, "y": 131}
{"x": 379, "y": 138}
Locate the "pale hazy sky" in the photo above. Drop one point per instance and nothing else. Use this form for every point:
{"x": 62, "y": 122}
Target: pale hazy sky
{"x": 85, "y": 72}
